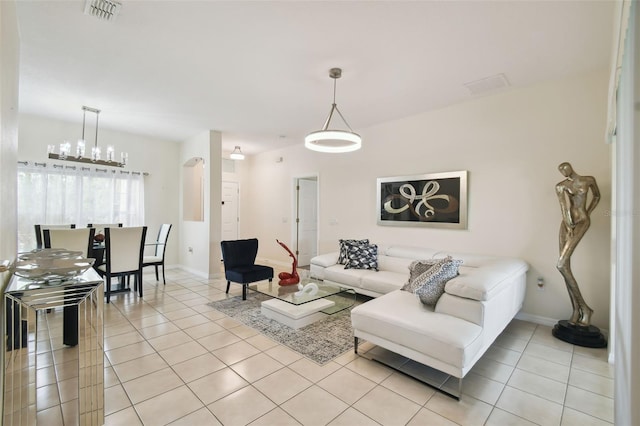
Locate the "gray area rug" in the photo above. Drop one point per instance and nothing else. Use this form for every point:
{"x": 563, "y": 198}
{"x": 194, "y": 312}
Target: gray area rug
{"x": 321, "y": 341}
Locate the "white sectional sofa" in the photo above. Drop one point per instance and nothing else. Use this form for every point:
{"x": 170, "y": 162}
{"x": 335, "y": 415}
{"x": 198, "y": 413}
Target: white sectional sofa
{"x": 476, "y": 307}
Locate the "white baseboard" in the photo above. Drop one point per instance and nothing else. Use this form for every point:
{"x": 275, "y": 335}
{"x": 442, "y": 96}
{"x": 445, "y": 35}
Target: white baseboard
{"x": 201, "y": 274}
{"x": 273, "y": 263}
{"x": 536, "y": 319}
{"x": 195, "y": 272}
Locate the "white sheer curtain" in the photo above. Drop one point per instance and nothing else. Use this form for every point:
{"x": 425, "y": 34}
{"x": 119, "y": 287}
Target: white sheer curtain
{"x": 56, "y": 194}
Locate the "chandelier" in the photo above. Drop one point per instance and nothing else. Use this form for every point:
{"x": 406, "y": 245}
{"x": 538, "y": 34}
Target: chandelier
{"x": 331, "y": 140}
{"x": 64, "y": 149}
{"x": 236, "y": 154}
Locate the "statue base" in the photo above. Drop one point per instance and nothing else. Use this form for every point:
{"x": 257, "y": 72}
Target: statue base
{"x": 589, "y": 337}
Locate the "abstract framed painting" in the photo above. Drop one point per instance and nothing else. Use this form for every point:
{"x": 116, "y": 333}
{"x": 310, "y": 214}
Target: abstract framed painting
{"x": 436, "y": 200}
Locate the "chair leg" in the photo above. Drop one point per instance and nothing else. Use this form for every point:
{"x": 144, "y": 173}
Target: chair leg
{"x": 139, "y": 279}
{"x": 244, "y": 291}
{"x": 164, "y": 281}
{"x": 108, "y": 288}
{"x": 228, "y": 284}
{"x": 156, "y": 266}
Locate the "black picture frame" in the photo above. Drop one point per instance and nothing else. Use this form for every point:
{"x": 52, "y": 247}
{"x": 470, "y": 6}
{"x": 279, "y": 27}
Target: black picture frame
{"x": 434, "y": 200}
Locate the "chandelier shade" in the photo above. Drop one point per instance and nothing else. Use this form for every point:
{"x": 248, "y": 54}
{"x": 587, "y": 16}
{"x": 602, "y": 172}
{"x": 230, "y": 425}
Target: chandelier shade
{"x": 333, "y": 140}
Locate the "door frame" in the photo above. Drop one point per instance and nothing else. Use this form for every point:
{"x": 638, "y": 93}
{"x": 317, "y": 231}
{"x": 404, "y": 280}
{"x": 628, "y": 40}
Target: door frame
{"x": 294, "y": 209}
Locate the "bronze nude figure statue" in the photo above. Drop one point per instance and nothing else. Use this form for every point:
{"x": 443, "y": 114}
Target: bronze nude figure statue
{"x": 576, "y": 207}
{"x": 572, "y": 194}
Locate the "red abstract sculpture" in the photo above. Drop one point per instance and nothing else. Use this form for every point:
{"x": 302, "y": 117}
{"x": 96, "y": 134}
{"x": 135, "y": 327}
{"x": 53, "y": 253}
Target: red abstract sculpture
{"x": 285, "y": 277}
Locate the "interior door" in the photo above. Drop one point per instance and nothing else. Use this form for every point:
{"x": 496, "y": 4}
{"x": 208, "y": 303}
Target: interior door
{"x": 230, "y": 219}
{"x": 307, "y": 220}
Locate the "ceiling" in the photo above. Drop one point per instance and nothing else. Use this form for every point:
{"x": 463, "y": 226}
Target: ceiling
{"x": 258, "y": 71}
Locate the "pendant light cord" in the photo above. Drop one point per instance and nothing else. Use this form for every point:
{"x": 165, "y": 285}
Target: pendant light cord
{"x": 334, "y": 90}
{"x": 84, "y": 121}
{"x": 97, "y": 115}
{"x": 84, "y": 118}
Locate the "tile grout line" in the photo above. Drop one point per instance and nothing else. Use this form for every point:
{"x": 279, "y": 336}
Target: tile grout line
{"x": 494, "y": 406}
{"x": 204, "y": 293}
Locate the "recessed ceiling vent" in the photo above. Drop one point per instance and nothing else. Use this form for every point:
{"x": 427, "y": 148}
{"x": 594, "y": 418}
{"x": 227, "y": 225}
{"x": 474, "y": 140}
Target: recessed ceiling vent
{"x": 488, "y": 84}
{"x": 107, "y": 10}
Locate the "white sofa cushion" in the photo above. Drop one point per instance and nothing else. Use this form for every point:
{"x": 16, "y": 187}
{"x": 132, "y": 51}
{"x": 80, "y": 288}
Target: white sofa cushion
{"x": 401, "y": 318}
{"x": 349, "y": 277}
{"x": 383, "y": 281}
{"x": 484, "y": 281}
{"x": 481, "y": 276}
{"x": 319, "y": 263}
{"x": 394, "y": 264}
{"x": 467, "y": 309}
{"x": 325, "y": 260}
{"x": 413, "y": 253}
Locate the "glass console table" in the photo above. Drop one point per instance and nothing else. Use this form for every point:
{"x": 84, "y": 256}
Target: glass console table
{"x": 54, "y": 333}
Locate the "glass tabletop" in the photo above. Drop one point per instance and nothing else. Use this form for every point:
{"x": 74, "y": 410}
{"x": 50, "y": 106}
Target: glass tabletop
{"x": 20, "y": 284}
{"x": 311, "y": 290}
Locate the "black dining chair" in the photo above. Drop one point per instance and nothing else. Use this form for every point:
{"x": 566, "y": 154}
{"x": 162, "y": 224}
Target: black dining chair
{"x": 160, "y": 248}
{"x": 239, "y": 258}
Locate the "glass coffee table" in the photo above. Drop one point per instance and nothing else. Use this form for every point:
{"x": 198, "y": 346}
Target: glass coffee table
{"x": 297, "y": 308}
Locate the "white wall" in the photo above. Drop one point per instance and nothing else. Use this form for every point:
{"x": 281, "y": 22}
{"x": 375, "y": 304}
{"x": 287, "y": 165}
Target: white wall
{"x": 200, "y": 240}
{"x": 194, "y": 249}
{"x": 9, "y": 66}
{"x": 156, "y": 157}
{"x": 510, "y": 143}
{"x": 215, "y": 203}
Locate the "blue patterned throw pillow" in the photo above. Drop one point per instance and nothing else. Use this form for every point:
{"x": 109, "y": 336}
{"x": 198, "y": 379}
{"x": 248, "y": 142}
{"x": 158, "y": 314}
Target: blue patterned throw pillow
{"x": 344, "y": 248}
{"x": 429, "y": 286}
{"x": 363, "y": 256}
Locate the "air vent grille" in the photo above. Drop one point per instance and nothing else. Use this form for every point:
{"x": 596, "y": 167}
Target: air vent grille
{"x": 106, "y": 10}
{"x": 488, "y": 84}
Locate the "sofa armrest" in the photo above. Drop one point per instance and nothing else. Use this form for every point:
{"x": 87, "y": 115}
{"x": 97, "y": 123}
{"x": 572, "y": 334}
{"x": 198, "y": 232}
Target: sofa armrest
{"x": 325, "y": 260}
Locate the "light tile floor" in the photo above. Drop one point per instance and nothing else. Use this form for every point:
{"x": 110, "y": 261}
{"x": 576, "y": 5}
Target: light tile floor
{"x": 171, "y": 359}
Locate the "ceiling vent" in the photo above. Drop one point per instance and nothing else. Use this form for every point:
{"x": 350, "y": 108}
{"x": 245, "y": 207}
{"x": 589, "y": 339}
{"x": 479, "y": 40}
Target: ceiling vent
{"x": 107, "y": 10}
{"x": 488, "y": 84}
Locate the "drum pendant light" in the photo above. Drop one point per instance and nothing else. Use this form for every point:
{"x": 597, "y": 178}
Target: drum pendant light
{"x": 332, "y": 140}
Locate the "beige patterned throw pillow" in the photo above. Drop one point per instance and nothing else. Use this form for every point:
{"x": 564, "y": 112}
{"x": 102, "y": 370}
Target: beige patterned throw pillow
{"x": 430, "y": 285}
{"x": 417, "y": 268}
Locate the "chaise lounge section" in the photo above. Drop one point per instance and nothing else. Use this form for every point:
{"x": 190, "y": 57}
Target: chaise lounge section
{"x": 452, "y": 335}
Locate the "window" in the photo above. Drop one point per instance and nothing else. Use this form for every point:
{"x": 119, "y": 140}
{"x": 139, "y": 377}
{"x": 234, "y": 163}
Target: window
{"x": 56, "y": 194}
